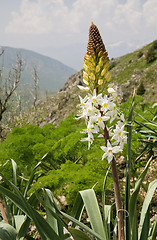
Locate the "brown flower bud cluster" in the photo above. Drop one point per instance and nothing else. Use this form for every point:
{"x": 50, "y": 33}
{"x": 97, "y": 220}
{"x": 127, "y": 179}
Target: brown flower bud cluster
{"x": 95, "y": 43}
{"x": 96, "y": 63}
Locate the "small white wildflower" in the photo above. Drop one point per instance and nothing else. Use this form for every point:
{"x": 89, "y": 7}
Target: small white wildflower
{"x": 109, "y": 151}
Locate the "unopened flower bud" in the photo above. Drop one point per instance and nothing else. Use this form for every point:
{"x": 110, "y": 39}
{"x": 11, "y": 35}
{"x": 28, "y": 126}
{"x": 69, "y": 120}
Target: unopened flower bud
{"x": 97, "y": 69}
{"x": 92, "y": 76}
{"x": 100, "y": 82}
{"x": 108, "y": 76}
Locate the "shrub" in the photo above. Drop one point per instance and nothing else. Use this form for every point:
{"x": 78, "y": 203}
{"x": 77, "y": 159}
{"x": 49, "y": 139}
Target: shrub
{"x": 154, "y": 44}
{"x": 139, "y": 54}
{"x": 141, "y": 90}
{"x": 112, "y": 65}
{"x": 150, "y": 55}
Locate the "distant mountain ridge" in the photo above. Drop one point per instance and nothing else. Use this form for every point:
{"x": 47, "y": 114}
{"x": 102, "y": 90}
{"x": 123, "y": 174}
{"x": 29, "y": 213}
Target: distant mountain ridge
{"x": 52, "y": 73}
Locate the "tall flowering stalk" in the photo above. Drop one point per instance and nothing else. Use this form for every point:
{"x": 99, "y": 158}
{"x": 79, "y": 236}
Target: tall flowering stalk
{"x": 99, "y": 108}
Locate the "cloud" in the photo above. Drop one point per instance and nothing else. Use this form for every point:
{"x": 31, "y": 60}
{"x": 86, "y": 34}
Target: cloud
{"x": 118, "y": 21}
{"x": 150, "y": 13}
{"x": 40, "y": 16}
{"x": 116, "y": 44}
{"x": 36, "y": 17}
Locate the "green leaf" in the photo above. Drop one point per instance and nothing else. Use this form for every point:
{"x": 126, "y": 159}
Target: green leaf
{"x": 115, "y": 229}
{"x": 145, "y": 208}
{"x": 83, "y": 226}
{"x": 77, "y": 208}
{"x": 44, "y": 229}
{"x": 107, "y": 219}
{"x": 128, "y": 170}
{"x": 153, "y": 231}
{"x": 132, "y": 204}
{"x": 24, "y": 228}
{"x": 78, "y": 234}
{"x": 106, "y": 208}
{"x": 19, "y": 220}
{"x": 7, "y": 232}
{"x": 50, "y": 218}
{"x": 93, "y": 211}
{"x": 14, "y": 165}
{"x": 31, "y": 179}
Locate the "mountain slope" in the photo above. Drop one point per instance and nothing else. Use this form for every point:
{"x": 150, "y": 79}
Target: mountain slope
{"x": 127, "y": 74}
{"x": 52, "y": 73}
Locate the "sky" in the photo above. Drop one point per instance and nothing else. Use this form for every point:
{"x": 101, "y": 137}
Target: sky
{"x": 59, "y": 28}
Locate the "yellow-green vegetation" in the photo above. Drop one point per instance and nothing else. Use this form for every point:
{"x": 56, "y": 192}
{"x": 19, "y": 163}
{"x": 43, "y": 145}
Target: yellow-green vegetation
{"x": 133, "y": 68}
{"x": 60, "y": 165}
{"x": 28, "y": 144}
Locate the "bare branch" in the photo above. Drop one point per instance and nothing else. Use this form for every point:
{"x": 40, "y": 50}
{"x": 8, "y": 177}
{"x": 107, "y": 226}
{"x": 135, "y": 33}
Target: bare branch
{"x": 11, "y": 82}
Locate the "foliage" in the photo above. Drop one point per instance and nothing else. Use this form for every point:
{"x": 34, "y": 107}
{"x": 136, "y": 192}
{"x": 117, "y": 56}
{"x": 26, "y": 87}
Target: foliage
{"x": 72, "y": 177}
{"x": 151, "y": 55}
{"x": 141, "y": 89}
{"x": 148, "y": 131}
{"x": 112, "y": 64}
{"x": 16, "y": 223}
{"x": 54, "y": 227}
{"x": 28, "y": 144}
{"x": 154, "y": 45}
{"x": 139, "y": 54}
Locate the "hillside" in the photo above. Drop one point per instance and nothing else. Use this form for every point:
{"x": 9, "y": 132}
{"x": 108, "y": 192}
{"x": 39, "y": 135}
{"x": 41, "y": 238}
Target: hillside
{"x": 52, "y": 73}
{"x": 127, "y": 74}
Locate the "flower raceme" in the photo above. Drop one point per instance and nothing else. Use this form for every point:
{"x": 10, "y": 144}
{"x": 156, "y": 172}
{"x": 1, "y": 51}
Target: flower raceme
{"x": 97, "y": 115}
{"x": 99, "y": 106}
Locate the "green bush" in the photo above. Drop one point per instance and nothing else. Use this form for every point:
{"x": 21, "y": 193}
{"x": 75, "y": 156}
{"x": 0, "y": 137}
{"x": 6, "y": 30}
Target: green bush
{"x": 150, "y": 55}
{"x": 139, "y": 54}
{"x": 154, "y": 44}
{"x": 141, "y": 90}
{"x": 69, "y": 166}
{"x": 73, "y": 177}
{"x": 112, "y": 64}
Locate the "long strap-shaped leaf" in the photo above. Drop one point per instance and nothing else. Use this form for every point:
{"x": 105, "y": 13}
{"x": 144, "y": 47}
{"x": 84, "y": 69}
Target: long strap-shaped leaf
{"x": 145, "y": 208}
{"x": 106, "y": 209}
{"x": 78, "y": 235}
{"x": 133, "y": 201}
{"x": 93, "y": 211}
{"x": 83, "y": 226}
{"x": 74, "y": 218}
{"x": 128, "y": 170}
{"x": 44, "y": 229}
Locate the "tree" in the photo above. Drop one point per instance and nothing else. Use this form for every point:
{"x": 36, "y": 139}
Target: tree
{"x": 8, "y": 85}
